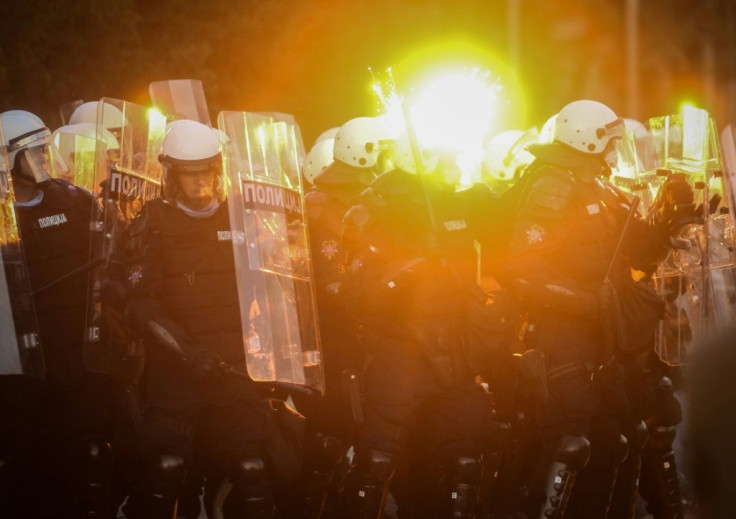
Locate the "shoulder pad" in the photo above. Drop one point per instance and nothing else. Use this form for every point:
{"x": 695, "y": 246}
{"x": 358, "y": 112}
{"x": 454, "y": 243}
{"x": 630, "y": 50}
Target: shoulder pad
{"x": 550, "y": 191}
{"x": 58, "y": 193}
{"x": 395, "y": 183}
{"x": 479, "y": 194}
{"x": 316, "y": 197}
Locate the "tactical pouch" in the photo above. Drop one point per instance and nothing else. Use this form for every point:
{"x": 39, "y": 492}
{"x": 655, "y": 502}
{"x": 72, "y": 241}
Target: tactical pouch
{"x": 534, "y": 371}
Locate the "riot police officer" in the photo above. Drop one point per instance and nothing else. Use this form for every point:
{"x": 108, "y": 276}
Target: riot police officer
{"x": 409, "y": 290}
{"x": 355, "y": 155}
{"x": 184, "y": 301}
{"x": 565, "y": 229}
{"x": 75, "y": 410}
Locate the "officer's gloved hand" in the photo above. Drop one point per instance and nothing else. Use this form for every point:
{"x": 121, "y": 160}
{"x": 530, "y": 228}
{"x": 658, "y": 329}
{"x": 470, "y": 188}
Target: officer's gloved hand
{"x": 674, "y": 207}
{"x": 204, "y": 365}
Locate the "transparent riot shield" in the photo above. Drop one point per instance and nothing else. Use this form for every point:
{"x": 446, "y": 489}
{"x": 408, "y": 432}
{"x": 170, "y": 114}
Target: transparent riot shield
{"x": 290, "y": 121}
{"x": 182, "y": 98}
{"x": 20, "y": 349}
{"x": 67, "y": 109}
{"x": 274, "y": 273}
{"x": 697, "y": 282}
{"x": 125, "y": 178}
{"x": 636, "y": 172}
{"x": 77, "y": 145}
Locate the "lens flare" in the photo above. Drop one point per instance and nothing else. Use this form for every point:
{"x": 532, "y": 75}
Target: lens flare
{"x": 453, "y": 111}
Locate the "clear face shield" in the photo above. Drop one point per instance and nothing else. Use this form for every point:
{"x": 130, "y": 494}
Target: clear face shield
{"x": 41, "y": 163}
{"x": 37, "y": 159}
{"x": 619, "y": 153}
{"x": 187, "y": 178}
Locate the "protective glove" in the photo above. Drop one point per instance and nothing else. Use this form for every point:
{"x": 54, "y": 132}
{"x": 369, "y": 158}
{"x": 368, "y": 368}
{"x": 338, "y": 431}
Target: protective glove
{"x": 674, "y": 206}
{"x": 204, "y": 365}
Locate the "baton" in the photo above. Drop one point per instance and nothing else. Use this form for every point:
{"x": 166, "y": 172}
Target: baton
{"x": 416, "y": 153}
{"x": 79, "y": 270}
{"x": 609, "y": 346}
{"x": 630, "y": 216}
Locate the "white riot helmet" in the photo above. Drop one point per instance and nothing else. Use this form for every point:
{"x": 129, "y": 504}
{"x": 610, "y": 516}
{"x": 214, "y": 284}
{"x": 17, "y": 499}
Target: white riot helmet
{"x": 87, "y": 113}
{"x": 505, "y": 154}
{"x": 73, "y": 139}
{"x": 85, "y": 130}
{"x": 360, "y": 141}
{"x": 28, "y": 138}
{"x": 328, "y": 134}
{"x": 318, "y": 158}
{"x": 587, "y": 126}
{"x": 25, "y": 113}
{"x": 111, "y": 142}
{"x": 189, "y": 146}
{"x": 547, "y": 134}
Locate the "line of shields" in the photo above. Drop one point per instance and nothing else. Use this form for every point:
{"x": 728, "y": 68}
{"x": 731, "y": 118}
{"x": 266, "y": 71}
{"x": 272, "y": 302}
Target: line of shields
{"x": 698, "y": 277}
{"x": 20, "y": 348}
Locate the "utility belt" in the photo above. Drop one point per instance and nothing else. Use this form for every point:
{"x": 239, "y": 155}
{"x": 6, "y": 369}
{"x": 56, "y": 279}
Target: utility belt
{"x": 532, "y": 366}
{"x": 183, "y": 426}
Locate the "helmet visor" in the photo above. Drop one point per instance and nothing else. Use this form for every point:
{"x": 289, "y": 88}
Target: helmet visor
{"x": 43, "y": 162}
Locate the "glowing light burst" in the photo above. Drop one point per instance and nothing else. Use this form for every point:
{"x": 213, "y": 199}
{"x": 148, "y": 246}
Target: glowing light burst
{"x": 452, "y": 112}
{"x": 456, "y": 110}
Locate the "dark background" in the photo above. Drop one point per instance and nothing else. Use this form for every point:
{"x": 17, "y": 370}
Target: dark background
{"x": 311, "y": 57}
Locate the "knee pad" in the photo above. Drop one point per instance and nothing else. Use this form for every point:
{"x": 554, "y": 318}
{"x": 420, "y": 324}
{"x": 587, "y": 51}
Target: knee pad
{"x": 466, "y": 469}
{"x": 466, "y": 472}
{"x": 669, "y": 409}
{"x": 251, "y": 494}
{"x": 167, "y": 473}
{"x": 248, "y": 471}
{"x": 622, "y": 449}
{"x": 573, "y": 451}
{"x": 637, "y": 438}
{"x": 662, "y": 437}
{"x": 378, "y": 465}
{"x": 96, "y": 455}
{"x": 156, "y": 497}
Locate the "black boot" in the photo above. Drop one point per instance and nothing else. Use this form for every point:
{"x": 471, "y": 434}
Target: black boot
{"x": 247, "y": 492}
{"x": 596, "y": 482}
{"x": 660, "y": 485}
{"x": 323, "y": 458}
{"x": 367, "y": 485}
{"x": 623, "y": 503}
{"x": 555, "y": 479}
{"x": 94, "y": 492}
{"x": 465, "y": 475}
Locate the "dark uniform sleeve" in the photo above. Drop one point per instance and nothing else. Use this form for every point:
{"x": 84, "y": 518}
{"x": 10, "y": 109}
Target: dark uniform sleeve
{"x": 539, "y": 232}
{"x": 646, "y": 243}
{"x": 145, "y": 279}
